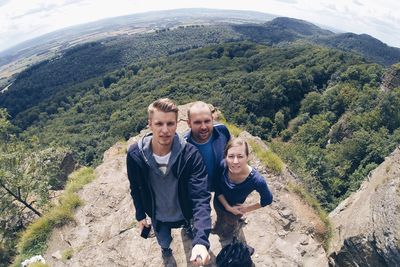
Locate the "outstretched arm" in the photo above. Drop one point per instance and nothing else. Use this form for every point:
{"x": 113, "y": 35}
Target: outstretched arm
{"x": 200, "y": 197}
{"x": 243, "y": 208}
{"x": 265, "y": 196}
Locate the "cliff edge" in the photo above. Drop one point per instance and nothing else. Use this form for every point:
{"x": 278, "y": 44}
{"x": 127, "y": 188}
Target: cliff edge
{"x": 366, "y": 225}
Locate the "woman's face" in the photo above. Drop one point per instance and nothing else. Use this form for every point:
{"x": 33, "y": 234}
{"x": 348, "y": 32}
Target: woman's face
{"x": 236, "y": 159}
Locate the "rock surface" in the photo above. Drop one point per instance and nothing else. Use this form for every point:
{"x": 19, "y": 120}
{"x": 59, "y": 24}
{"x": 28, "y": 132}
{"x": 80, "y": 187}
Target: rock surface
{"x": 104, "y": 232}
{"x": 366, "y": 225}
{"x": 391, "y": 78}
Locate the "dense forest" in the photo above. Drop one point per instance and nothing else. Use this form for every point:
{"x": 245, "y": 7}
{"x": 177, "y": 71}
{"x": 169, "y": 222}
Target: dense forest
{"x": 46, "y": 85}
{"x": 321, "y": 109}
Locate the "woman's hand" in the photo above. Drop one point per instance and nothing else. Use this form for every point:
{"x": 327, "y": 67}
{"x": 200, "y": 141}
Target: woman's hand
{"x": 235, "y": 210}
{"x": 247, "y": 208}
{"x": 242, "y": 208}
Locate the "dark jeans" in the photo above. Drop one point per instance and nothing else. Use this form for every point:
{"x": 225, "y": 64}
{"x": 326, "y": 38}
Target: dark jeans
{"x": 227, "y": 224}
{"x": 163, "y": 235}
{"x": 163, "y": 232}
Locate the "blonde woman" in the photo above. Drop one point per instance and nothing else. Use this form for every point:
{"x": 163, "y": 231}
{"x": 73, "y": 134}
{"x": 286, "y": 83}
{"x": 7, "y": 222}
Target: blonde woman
{"x": 236, "y": 182}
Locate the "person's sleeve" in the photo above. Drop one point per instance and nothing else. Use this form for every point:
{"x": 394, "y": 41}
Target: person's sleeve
{"x": 200, "y": 196}
{"x": 218, "y": 175}
{"x": 186, "y": 135}
{"x": 226, "y": 133}
{"x": 131, "y": 170}
{"x": 263, "y": 190}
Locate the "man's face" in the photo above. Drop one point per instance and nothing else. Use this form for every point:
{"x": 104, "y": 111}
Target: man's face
{"x": 163, "y": 126}
{"x": 201, "y": 123}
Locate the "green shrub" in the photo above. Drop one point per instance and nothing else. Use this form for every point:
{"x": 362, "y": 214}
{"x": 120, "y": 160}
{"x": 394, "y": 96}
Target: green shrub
{"x": 67, "y": 254}
{"x": 233, "y": 129}
{"x": 34, "y": 239}
{"x": 78, "y": 179}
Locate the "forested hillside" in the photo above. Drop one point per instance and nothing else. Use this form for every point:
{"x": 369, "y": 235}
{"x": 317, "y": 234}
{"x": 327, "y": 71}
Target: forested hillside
{"x": 325, "y": 105}
{"x": 46, "y": 86}
{"x": 41, "y": 89}
{"x": 321, "y": 109}
{"x": 363, "y": 44}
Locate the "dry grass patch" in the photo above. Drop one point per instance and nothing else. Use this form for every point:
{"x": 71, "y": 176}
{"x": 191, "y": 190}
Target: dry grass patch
{"x": 271, "y": 160}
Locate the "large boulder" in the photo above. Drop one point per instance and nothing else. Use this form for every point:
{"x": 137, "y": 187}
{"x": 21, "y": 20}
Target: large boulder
{"x": 391, "y": 78}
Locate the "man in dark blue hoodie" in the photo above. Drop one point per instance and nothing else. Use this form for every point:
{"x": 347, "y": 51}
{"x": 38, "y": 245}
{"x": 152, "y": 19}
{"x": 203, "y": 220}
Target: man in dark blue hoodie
{"x": 168, "y": 182}
{"x": 208, "y": 137}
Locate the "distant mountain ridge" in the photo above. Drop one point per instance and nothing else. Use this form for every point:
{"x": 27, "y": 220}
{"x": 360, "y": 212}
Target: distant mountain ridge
{"x": 154, "y": 34}
{"x": 59, "y": 40}
{"x": 301, "y": 27}
{"x": 283, "y": 29}
{"x": 363, "y": 44}
{"x": 28, "y": 53}
{"x": 150, "y": 20}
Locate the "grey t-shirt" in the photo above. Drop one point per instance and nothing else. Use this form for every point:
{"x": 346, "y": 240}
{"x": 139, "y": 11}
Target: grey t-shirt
{"x": 165, "y": 187}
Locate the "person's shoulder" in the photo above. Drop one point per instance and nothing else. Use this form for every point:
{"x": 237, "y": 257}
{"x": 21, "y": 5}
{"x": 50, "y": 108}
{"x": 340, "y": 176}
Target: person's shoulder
{"x": 191, "y": 153}
{"x": 222, "y": 129}
{"x": 186, "y": 135}
{"x": 222, "y": 165}
{"x": 133, "y": 149}
{"x": 220, "y": 126}
{"x": 257, "y": 176}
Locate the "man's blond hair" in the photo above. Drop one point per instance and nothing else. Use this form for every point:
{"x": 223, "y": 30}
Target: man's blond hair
{"x": 164, "y": 105}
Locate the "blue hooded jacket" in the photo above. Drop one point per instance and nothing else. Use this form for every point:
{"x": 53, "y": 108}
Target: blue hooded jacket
{"x": 189, "y": 169}
{"x": 220, "y": 136}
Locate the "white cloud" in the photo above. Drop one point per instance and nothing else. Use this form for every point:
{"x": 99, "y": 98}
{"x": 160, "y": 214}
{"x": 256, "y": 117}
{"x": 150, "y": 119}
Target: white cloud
{"x": 287, "y": 1}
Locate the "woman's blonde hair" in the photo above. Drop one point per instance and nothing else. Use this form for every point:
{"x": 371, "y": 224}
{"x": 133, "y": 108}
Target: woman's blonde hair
{"x": 236, "y": 142}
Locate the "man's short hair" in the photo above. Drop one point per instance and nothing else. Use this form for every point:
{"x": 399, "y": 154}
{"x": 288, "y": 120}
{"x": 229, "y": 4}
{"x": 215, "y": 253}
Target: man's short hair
{"x": 164, "y": 105}
{"x": 199, "y": 104}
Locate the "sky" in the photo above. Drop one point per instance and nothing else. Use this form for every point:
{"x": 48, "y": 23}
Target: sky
{"x": 21, "y": 20}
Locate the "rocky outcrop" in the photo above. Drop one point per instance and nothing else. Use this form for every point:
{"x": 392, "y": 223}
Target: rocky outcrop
{"x": 104, "y": 232}
{"x": 67, "y": 166}
{"x": 391, "y": 78}
{"x": 366, "y": 225}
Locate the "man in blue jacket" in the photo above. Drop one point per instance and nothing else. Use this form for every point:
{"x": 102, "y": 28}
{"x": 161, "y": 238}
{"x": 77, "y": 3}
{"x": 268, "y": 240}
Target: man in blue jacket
{"x": 168, "y": 182}
{"x": 208, "y": 137}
